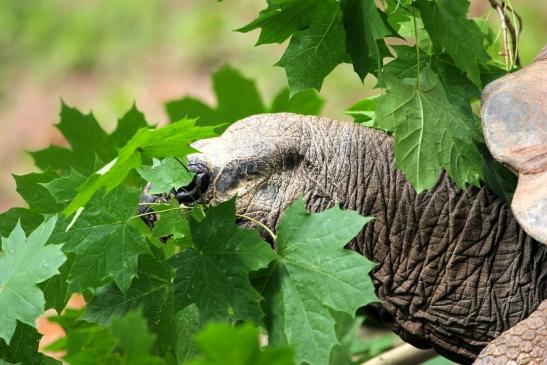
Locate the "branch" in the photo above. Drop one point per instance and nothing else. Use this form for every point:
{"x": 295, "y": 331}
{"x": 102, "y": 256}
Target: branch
{"x": 402, "y": 355}
{"x": 510, "y": 54}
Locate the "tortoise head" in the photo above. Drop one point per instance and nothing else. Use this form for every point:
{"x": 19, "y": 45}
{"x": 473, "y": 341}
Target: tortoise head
{"x": 261, "y": 160}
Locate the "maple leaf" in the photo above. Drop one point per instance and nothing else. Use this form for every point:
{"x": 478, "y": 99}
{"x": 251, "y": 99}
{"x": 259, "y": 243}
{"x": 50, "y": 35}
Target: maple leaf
{"x": 23, "y": 349}
{"x": 166, "y": 175}
{"x": 172, "y": 140}
{"x": 431, "y": 132}
{"x": 126, "y": 340}
{"x": 151, "y": 291}
{"x": 214, "y": 273}
{"x": 315, "y": 51}
{"x": 367, "y": 27}
{"x": 449, "y": 29}
{"x": 104, "y": 241}
{"x": 90, "y": 145}
{"x": 223, "y": 344}
{"x": 313, "y": 275}
{"x": 25, "y": 262}
{"x": 36, "y": 195}
{"x": 237, "y": 98}
{"x": 28, "y": 219}
{"x": 134, "y": 339}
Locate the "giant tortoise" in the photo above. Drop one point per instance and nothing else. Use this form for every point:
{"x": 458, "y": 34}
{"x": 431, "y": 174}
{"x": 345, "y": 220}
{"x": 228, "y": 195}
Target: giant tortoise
{"x": 459, "y": 270}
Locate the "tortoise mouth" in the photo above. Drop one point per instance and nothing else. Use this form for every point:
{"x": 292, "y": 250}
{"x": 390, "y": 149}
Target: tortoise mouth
{"x": 193, "y": 192}
{"x": 189, "y": 195}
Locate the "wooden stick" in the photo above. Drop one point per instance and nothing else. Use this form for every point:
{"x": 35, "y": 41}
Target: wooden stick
{"x": 402, "y": 355}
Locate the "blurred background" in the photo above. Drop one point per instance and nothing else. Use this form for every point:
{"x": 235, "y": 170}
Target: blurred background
{"x": 103, "y": 55}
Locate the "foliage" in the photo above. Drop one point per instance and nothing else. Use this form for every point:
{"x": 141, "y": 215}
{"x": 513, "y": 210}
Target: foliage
{"x": 126, "y": 340}
{"x": 426, "y": 101}
{"x": 149, "y": 292}
{"x": 24, "y": 263}
{"x": 222, "y": 344}
{"x": 301, "y": 291}
{"x": 238, "y": 97}
{"x": 208, "y": 270}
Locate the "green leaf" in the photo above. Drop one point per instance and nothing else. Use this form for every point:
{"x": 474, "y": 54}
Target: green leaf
{"x": 23, "y": 348}
{"x": 150, "y": 290}
{"x": 307, "y": 102}
{"x": 363, "y": 111}
{"x": 172, "y": 140}
{"x": 83, "y": 132}
{"x": 37, "y": 196}
{"x": 24, "y": 263}
{"x": 88, "y": 141}
{"x": 153, "y": 292}
{"x": 237, "y": 97}
{"x": 460, "y": 91}
{"x": 302, "y": 289}
{"x": 166, "y": 175}
{"x": 214, "y": 273}
{"x": 431, "y": 132}
{"x": 368, "y": 348}
{"x": 173, "y": 221}
{"x": 91, "y": 147}
{"x": 318, "y": 30}
{"x": 55, "y": 289}
{"x": 315, "y": 51}
{"x": 28, "y": 219}
{"x": 188, "y": 324}
{"x": 347, "y": 329}
{"x": 450, "y": 30}
{"x": 127, "y": 126}
{"x": 104, "y": 241}
{"x": 126, "y": 340}
{"x": 282, "y": 19}
{"x": 402, "y": 20}
{"x": 134, "y": 339}
{"x": 63, "y": 188}
{"x": 497, "y": 177}
{"x": 84, "y": 343}
{"x": 223, "y": 344}
{"x": 367, "y": 27}
{"x": 438, "y": 360}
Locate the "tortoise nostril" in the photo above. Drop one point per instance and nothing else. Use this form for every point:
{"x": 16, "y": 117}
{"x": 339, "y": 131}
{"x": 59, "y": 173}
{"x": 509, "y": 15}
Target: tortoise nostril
{"x": 195, "y": 190}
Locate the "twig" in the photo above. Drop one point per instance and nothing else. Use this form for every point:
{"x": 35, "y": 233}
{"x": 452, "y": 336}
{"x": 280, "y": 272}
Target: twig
{"x": 402, "y": 355}
{"x": 510, "y": 54}
{"x": 515, "y": 33}
{"x": 262, "y": 225}
{"x": 156, "y": 211}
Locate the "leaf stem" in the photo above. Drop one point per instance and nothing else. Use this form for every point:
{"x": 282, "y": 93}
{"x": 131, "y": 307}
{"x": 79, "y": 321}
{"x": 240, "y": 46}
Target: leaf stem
{"x": 417, "y": 38}
{"x": 182, "y": 206}
{"x": 270, "y": 232}
{"x": 159, "y": 211}
{"x": 181, "y": 163}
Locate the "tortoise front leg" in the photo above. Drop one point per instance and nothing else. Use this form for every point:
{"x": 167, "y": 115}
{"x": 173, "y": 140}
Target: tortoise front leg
{"x": 525, "y": 343}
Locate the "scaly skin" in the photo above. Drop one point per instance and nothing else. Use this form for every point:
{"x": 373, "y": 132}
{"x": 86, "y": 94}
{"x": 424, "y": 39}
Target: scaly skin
{"x": 526, "y": 343}
{"x": 454, "y": 271}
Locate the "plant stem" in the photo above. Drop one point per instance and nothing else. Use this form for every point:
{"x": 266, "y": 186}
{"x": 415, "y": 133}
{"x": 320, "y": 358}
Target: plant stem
{"x": 417, "y": 38}
{"x": 262, "y": 225}
{"x": 159, "y": 211}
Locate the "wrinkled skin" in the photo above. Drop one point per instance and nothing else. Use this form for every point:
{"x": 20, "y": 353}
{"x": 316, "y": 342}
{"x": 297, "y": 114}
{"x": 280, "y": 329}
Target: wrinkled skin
{"x": 454, "y": 270}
